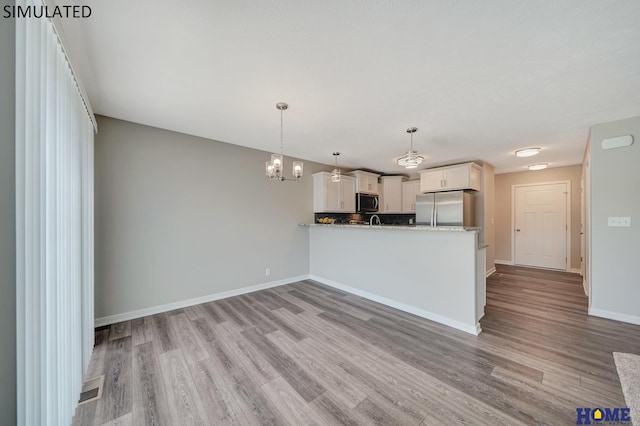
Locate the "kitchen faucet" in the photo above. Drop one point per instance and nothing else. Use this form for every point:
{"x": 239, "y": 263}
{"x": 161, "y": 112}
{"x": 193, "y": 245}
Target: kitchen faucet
{"x": 376, "y": 217}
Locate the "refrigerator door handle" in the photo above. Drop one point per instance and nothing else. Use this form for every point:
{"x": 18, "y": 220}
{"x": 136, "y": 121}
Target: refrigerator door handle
{"x": 435, "y": 216}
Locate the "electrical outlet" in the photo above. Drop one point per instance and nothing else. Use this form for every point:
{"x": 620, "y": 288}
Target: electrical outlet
{"x": 267, "y": 272}
{"x": 614, "y": 221}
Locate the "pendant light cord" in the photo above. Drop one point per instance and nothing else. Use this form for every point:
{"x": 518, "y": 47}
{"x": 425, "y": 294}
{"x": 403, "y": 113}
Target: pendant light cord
{"x": 281, "y": 133}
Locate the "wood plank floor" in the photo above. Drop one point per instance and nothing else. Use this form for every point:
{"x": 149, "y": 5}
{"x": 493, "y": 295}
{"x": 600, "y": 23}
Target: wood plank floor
{"x": 305, "y": 353}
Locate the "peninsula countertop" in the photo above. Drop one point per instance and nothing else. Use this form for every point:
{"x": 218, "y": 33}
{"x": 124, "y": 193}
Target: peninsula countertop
{"x": 393, "y": 227}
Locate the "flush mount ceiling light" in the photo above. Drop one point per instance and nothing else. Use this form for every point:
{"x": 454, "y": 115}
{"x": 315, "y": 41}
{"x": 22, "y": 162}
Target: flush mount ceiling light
{"x": 274, "y": 168}
{"x": 411, "y": 159}
{"x": 528, "y": 152}
{"x": 335, "y": 174}
{"x": 538, "y": 166}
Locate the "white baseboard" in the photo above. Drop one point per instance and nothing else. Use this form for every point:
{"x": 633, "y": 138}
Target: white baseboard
{"x": 475, "y": 330}
{"x": 491, "y": 271}
{"x": 510, "y": 263}
{"x": 126, "y": 316}
{"x": 631, "y": 319}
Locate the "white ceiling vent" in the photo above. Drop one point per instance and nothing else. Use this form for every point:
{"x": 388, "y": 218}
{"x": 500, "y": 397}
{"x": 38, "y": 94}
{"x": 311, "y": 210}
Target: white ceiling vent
{"x": 617, "y": 142}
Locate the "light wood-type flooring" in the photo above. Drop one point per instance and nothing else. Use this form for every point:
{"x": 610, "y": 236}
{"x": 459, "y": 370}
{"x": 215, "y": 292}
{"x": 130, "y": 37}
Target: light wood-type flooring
{"x": 305, "y": 353}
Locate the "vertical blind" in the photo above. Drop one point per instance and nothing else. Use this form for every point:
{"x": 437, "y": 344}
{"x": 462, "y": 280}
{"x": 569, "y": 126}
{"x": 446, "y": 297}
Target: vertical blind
{"x": 54, "y": 229}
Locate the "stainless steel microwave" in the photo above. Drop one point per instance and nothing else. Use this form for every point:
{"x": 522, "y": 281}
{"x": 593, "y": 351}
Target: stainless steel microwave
{"x": 366, "y": 203}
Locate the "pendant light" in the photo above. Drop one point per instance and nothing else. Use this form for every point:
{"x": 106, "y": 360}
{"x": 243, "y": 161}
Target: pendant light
{"x": 335, "y": 174}
{"x": 274, "y": 168}
{"x": 411, "y": 159}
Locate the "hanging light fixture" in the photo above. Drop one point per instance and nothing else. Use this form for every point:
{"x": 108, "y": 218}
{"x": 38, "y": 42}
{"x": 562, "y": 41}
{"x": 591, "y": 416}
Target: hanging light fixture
{"x": 335, "y": 174}
{"x": 274, "y": 168}
{"x": 411, "y": 159}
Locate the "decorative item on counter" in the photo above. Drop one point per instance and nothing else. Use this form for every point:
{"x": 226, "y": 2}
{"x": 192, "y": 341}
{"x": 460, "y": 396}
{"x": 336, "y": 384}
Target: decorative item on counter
{"x": 274, "y": 168}
{"x": 326, "y": 220}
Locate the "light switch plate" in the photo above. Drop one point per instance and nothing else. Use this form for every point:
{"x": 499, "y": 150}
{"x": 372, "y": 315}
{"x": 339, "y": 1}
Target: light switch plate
{"x": 624, "y": 222}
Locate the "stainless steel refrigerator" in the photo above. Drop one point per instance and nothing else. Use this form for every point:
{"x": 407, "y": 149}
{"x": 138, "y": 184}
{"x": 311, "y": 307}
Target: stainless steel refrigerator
{"x": 453, "y": 208}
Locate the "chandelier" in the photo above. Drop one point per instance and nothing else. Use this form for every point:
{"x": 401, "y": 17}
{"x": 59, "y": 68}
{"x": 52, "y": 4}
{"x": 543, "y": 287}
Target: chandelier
{"x": 274, "y": 168}
{"x": 411, "y": 159}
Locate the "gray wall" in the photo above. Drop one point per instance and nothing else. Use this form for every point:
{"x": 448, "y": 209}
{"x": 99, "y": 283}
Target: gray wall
{"x": 486, "y": 218}
{"x": 7, "y": 223}
{"x": 180, "y": 217}
{"x": 615, "y": 189}
{"x": 586, "y": 216}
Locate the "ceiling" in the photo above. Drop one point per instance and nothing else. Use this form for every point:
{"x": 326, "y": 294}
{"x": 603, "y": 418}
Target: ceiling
{"x": 479, "y": 79}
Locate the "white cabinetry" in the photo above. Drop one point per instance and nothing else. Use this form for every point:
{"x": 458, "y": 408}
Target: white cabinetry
{"x": 391, "y": 194}
{"x": 431, "y": 180}
{"x": 409, "y": 191}
{"x": 366, "y": 182}
{"x": 333, "y": 197}
{"x": 460, "y": 176}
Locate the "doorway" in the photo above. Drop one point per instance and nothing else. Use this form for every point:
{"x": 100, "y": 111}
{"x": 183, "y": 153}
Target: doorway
{"x": 541, "y": 217}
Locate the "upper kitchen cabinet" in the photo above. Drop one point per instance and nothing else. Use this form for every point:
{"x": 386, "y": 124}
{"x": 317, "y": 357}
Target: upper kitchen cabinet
{"x": 449, "y": 178}
{"x": 366, "y": 182}
{"x": 333, "y": 197}
{"x": 409, "y": 192}
{"x": 391, "y": 194}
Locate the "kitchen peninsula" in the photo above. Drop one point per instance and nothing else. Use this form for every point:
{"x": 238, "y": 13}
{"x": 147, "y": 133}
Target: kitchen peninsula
{"x": 435, "y": 273}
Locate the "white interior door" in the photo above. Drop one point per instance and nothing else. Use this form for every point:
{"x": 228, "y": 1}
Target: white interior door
{"x": 541, "y": 226}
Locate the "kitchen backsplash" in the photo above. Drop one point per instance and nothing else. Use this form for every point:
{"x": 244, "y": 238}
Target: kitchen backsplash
{"x": 385, "y": 218}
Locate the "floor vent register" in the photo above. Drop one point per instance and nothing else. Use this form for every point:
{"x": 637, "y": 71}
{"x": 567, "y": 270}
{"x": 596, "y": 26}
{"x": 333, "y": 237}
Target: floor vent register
{"x": 91, "y": 390}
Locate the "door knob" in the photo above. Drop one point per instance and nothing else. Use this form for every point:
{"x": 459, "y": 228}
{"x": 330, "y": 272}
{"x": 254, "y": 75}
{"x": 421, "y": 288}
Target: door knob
{"x": 518, "y": 230}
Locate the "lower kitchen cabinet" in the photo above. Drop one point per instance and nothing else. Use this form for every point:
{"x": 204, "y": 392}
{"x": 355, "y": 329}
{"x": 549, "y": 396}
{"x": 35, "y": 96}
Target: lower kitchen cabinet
{"x": 333, "y": 197}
